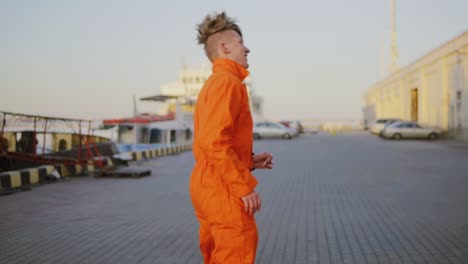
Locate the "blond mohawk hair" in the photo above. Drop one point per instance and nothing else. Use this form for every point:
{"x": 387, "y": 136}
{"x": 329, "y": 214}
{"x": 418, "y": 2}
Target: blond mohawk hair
{"x": 214, "y": 24}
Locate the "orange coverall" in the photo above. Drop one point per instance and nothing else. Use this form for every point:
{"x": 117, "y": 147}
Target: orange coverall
{"x": 222, "y": 173}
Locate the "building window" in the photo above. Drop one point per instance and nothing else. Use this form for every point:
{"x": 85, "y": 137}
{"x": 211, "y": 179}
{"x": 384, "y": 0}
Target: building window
{"x": 188, "y": 134}
{"x": 62, "y": 145}
{"x": 173, "y": 136}
{"x": 5, "y": 145}
{"x": 155, "y": 136}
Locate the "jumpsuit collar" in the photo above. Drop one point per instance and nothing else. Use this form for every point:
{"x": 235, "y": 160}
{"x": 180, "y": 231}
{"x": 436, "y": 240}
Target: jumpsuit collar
{"x": 230, "y": 66}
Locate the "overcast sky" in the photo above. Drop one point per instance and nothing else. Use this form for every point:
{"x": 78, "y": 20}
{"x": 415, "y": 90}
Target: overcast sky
{"x": 309, "y": 59}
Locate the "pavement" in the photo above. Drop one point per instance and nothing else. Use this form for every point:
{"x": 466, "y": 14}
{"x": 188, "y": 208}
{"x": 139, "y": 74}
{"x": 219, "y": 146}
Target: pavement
{"x": 345, "y": 198}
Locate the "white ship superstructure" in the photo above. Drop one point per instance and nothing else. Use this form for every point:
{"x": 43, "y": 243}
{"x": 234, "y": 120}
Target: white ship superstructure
{"x": 186, "y": 89}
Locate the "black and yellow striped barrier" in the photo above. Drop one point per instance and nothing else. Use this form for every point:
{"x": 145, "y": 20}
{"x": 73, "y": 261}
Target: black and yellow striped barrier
{"x": 160, "y": 152}
{"x": 83, "y": 170}
{"x": 26, "y": 177}
{"x": 80, "y": 170}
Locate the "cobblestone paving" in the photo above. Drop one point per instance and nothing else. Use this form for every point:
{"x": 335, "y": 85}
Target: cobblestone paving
{"x": 330, "y": 199}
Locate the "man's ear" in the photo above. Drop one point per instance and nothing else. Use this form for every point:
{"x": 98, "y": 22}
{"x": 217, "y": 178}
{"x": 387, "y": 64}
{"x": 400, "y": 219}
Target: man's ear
{"x": 224, "y": 48}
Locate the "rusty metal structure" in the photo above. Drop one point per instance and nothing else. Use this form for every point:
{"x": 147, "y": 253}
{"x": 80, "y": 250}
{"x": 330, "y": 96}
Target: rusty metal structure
{"x": 27, "y": 140}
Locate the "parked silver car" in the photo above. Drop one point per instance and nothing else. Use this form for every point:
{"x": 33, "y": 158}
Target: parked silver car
{"x": 272, "y": 130}
{"x": 295, "y": 124}
{"x": 407, "y": 130}
{"x": 387, "y": 124}
{"x": 378, "y": 126}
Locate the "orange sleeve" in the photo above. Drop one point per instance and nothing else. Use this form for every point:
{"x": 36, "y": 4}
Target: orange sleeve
{"x": 223, "y": 105}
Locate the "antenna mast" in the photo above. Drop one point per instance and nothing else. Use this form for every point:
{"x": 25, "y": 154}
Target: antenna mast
{"x": 394, "y": 48}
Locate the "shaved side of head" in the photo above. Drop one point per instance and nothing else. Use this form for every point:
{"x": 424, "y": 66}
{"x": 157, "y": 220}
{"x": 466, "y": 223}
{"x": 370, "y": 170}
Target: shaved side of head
{"x": 215, "y": 30}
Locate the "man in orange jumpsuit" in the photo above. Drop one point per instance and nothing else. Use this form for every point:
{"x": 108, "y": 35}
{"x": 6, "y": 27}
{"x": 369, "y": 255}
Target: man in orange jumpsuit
{"x": 222, "y": 187}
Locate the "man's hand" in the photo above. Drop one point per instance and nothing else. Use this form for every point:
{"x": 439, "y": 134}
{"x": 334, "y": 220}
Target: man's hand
{"x": 252, "y": 203}
{"x": 263, "y": 161}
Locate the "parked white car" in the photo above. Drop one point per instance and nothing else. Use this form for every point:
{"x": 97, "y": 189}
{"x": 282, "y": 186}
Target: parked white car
{"x": 272, "y": 130}
{"x": 295, "y": 124}
{"x": 377, "y": 127}
{"x": 410, "y": 130}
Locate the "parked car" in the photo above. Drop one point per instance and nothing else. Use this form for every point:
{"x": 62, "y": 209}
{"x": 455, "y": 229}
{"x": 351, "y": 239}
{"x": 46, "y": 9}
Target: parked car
{"x": 295, "y": 124}
{"x": 379, "y": 125}
{"x": 387, "y": 124}
{"x": 272, "y": 130}
{"x": 413, "y": 130}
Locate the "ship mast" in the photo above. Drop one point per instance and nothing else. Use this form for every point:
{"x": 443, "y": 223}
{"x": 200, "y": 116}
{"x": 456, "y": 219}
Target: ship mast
{"x": 393, "y": 36}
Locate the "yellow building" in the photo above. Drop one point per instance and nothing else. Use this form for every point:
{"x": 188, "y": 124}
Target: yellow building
{"x": 432, "y": 91}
